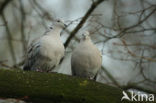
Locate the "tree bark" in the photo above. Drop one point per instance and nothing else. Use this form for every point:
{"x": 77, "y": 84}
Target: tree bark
{"x": 40, "y": 87}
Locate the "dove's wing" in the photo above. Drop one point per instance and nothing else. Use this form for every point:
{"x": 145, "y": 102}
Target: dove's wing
{"x": 32, "y": 54}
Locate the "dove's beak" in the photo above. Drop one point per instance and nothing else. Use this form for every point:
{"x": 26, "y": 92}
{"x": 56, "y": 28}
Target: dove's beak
{"x": 65, "y": 25}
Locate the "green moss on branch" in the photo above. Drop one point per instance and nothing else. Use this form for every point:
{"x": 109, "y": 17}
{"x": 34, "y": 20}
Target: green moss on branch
{"x": 55, "y": 88}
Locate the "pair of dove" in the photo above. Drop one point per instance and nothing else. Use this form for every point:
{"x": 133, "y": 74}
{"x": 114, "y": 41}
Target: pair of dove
{"x": 46, "y": 52}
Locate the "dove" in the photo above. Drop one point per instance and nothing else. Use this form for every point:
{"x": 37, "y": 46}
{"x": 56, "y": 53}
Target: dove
{"x": 45, "y": 52}
{"x": 86, "y": 59}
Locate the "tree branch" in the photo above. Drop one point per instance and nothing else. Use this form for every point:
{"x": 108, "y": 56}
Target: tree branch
{"x": 39, "y": 87}
{"x": 9, "y": 36}
{"x": 23, "y": 17}
{"x": 78, "y": 27}
{"x": 3, "y": 5}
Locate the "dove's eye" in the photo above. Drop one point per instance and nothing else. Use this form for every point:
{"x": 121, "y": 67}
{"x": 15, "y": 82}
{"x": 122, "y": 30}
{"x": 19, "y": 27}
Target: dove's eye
{"x": 51, "y": 27}
{"x": 58, "y": 21}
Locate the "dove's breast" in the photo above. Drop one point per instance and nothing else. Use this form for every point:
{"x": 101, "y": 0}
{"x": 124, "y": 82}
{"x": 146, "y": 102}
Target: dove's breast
{"x": 52, "y": 48}
{"x": 86, "y": 60}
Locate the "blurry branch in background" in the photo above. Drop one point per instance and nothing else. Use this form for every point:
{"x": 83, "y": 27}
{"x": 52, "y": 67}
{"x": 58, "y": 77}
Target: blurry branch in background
{"x": 110, "y": 77}
{"x": 2, "y": 24}
{"x": 143, "y": 59}
{"x": 15, "y": 10}
{"x": 42, "y": 13}
{"x": 3, "y": 5}
{"x": 142, "y": 30}
{"x": 23, "y": 18}
{"x": 13, "y": 39}
{"x": 128, "y": 86}
{"x": 84, "y": 19}
{"x": 134, "y": 55}
{"x": 9, "y": 36}
{"x": 124, "y": 30}
{"x": 3, "y": 64}
{"x": 75, "y": 21}
{"x": 39, "y": 13}
{"x": 45, "y": 14}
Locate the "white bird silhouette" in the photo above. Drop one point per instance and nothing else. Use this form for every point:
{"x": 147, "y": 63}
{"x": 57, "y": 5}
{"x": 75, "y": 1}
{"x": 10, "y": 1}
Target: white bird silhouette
{"x": 125, "y": 96}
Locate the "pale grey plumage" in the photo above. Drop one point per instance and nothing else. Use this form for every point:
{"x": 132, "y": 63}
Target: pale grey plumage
{"x": 86, "y": 59}
{"x": 45, "y": 52}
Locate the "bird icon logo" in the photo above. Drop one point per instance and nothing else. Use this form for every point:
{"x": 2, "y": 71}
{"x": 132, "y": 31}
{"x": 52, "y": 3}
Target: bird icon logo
{"x": 125, "y": 96}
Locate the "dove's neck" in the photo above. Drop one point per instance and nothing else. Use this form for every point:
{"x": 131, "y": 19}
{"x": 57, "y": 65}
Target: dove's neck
{"x": 55, "y": 32}
{"x": 88, "y": 41}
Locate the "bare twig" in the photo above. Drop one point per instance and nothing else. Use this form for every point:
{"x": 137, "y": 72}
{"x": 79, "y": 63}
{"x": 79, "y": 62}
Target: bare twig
{"x": 12, "y": 52}
{"x": 138, "y": 44}
{"x": 134, "y": 55}
{"x": 2, "y": 24}
{"x": 23, "y": 18}
{"x": 78, "y": 27}
{"x": 45, "y": 12}
{"x": 3, "y": 5}
{"x": 124, "y": 30}
{"x": 38, "y": 13}
{"x": 110, "y": 77}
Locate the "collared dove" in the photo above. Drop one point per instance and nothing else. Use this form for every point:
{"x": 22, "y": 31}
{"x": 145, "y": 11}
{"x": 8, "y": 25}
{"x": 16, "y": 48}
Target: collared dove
{"x": 86, "y": 59}
{"x": 45, "y": 52}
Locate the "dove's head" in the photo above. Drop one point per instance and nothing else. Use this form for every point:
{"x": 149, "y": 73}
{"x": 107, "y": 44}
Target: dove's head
{"x": 86, "y": 36}
{"x": 59, "y": 23}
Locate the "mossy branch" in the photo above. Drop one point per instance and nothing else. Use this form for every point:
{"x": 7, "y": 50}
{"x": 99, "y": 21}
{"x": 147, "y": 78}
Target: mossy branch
{"x": 55, "y": 88}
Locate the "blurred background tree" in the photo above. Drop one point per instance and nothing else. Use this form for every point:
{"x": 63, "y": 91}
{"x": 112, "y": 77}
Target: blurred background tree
{"x": 124, "y": 31}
